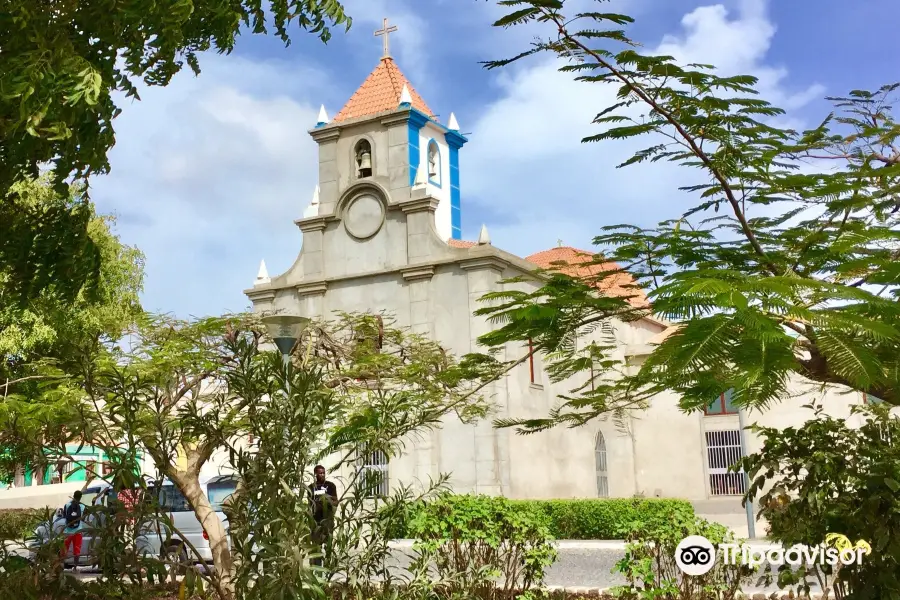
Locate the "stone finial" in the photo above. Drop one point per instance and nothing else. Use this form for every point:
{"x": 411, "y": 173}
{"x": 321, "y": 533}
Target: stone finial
{"x": 484, "y": 238}
{"x": 263, "y": 275}
{"x": 405, "y": 97}
{"x": 323, "y": 117}
{"x": 453, "y": 124}
{"x": 313, "y": 209}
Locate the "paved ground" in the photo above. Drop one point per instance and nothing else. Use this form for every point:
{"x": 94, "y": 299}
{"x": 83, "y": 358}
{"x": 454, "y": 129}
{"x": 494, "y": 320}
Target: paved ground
{"x": 582, "y": 564}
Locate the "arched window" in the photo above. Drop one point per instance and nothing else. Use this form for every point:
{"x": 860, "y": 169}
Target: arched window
{"x": 434, "y": 163}
{"x": 363, "y": 152}
{"x": 600, "y": 458}
{"x": 373, "y": 476}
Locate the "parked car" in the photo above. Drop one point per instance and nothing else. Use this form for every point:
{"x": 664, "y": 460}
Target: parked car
{"x": 179, "y": 537}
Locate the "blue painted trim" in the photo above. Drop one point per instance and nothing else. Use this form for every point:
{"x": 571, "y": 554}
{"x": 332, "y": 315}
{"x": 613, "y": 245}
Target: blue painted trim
{"x": 417, "y": 120}
{"x": 320, "y": 124}
{"x": 440, "y": 166}
{"x": 455, "y": 201}
{"x": 455, "y": 140}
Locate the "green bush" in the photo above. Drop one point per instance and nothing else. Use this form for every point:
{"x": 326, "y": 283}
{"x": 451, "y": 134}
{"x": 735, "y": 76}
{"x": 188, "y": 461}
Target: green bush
{"x": 606, "y": 518}
{"x": 650, "y": 570}
{"x": 597, "y": 518}
{"x": 20, "y": 522}
{"x": 483, "y": 544}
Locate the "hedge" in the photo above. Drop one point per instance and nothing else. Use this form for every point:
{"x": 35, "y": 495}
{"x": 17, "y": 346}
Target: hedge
{"x": 18, "y": 523}
{"x": 600, "y": 518}
{"x": 606, "y": 518}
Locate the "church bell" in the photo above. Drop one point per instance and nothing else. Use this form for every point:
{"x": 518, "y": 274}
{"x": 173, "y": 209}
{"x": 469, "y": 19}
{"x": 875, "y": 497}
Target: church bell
{"x": 365, "y": 161}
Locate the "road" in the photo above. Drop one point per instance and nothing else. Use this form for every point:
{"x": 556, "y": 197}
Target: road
{"x": 581, "y": 565}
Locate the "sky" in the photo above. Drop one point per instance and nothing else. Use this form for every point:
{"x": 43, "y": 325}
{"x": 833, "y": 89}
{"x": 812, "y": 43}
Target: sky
{"x": 209, "y": 173}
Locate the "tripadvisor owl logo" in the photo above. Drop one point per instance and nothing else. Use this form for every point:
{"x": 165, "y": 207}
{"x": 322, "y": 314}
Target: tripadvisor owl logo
{"x": 695, "y": 555}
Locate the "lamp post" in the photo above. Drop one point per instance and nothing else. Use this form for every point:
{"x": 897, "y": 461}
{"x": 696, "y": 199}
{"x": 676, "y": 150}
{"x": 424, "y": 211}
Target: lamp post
{"x": 751, "y": 519}
{"x": 285, "y": 330}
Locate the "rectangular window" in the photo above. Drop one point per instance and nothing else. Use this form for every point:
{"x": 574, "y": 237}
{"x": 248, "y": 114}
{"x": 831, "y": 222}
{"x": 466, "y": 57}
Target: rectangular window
{"x": 723, "y": 449}
{"x": 870, "y": 399}
{"x": 172, "y": 500}
{"x": 531, "y": 360}
{"x": 723, "y": 405}
{"x": 219, "y": 492}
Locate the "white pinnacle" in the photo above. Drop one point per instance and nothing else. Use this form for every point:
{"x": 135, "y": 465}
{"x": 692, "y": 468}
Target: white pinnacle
{"x": 263, "y": 275}
{"x": 405, "y": 98}
{"x": 483, "y": 237}
{"x": 313, "y": 209}
{"x": 453, "y": 124}
{"x": 323, "y": 116}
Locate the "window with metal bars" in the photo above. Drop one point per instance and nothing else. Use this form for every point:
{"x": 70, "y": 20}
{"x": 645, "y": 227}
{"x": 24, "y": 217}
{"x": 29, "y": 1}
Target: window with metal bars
{"x": 723, "y": 449}
{"x": 373, "y": 477}
{"x": 600, "y": 459}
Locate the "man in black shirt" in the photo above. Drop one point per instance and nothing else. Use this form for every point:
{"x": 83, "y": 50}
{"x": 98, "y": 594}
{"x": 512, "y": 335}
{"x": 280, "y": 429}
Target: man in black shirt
{"x": 323, "y": 495}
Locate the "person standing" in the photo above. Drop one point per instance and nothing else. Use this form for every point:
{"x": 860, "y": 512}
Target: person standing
{"x": 73, "y": 513}
{"x": 323, "y": 496}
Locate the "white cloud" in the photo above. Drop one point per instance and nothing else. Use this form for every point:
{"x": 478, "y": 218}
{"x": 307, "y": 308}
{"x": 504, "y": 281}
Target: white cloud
{"x": 210, "y": 172}
{"x": 526, "y": 157}
{"x": 209, "y": 175}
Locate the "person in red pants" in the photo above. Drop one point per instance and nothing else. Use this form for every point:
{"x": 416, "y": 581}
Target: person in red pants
{"x": 73, "y": 512}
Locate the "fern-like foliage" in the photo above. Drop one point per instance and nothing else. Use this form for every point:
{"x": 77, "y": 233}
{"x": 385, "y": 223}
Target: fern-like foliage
{"x": 787, "y": 264}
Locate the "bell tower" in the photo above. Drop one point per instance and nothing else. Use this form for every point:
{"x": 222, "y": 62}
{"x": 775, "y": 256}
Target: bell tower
{"x": 387, "y": 137}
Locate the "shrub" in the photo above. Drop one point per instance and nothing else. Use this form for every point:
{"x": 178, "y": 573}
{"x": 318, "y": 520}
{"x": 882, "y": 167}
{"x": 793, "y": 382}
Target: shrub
{"x": 18, "y": 523}
{"x": 650, "y": 569}
{"x": 474, "y": 541}
{"x": 595, "y": 518}
{"x": 829, "y": 478}
{"x": 605, "y": 518}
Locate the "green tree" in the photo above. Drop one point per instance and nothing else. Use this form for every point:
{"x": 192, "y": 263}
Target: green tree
{"x": 190, "y": 392}
{"x": 786, "y": 266}
{"x": 45, "y": 340}
{"x": 60, "y": 66}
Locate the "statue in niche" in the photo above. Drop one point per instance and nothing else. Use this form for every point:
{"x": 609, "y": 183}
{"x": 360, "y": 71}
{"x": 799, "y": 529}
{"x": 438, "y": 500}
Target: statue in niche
{"x": 432, "y": 162}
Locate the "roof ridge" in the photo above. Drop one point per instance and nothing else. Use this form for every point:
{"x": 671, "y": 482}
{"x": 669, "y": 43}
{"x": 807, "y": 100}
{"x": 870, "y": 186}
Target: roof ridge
{"x": 380, "y": 92}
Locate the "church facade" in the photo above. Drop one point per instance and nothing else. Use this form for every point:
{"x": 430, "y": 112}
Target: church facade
{"x": 382, "y": 233}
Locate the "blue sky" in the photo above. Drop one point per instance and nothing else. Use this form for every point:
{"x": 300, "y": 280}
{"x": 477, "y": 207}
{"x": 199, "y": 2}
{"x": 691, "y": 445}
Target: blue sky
{"x": 209, "y": 173}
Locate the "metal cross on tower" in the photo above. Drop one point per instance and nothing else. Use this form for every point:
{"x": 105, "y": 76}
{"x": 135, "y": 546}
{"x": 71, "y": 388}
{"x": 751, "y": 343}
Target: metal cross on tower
{"x": 386, "y": 31}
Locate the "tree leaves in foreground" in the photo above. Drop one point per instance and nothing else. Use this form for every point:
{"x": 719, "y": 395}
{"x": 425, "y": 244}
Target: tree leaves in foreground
{"x": 60, "y": 66}
{"x": 785, "y": 266}
{"x": 44, "y": 342}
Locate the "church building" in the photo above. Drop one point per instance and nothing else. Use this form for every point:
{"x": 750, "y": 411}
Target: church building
{"x": 383, "y": 233}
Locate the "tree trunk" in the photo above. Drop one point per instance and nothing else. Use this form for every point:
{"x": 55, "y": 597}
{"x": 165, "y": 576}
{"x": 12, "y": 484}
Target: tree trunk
{"x": 212, "y": 525}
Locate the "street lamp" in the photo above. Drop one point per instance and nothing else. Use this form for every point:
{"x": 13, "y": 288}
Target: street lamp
{"x": 285, "y": 330}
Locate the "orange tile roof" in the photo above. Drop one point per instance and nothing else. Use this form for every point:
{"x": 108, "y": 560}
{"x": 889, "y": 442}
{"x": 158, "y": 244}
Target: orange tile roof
{"x": 460, "y": 243}
{"x": 573, "y": 264}
{"x": 380, "y": 92}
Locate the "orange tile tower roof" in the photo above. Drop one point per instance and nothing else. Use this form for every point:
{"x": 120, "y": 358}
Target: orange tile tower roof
{"x": 380, "y": 92}
{"x": 578, "y": 263}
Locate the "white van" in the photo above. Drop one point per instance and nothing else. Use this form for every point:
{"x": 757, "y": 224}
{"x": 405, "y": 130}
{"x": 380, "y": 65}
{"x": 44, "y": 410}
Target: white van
{"x": 186, "y": 525}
